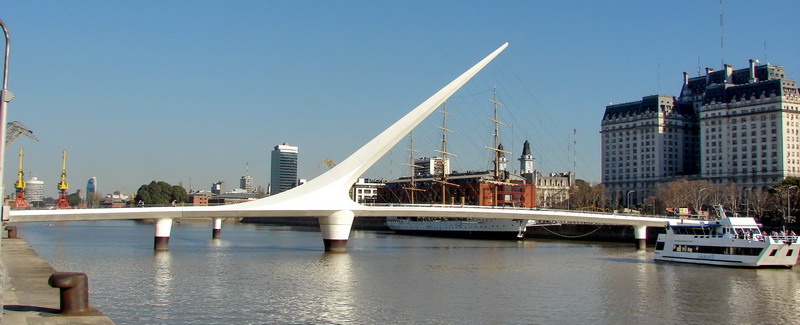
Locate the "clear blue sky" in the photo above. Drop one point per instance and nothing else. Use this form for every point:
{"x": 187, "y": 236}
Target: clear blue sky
{"x": 194, "y": 90}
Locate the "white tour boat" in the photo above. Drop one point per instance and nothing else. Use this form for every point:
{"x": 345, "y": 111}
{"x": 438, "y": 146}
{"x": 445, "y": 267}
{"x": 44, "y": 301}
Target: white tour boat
{"x": 727, "y": 241}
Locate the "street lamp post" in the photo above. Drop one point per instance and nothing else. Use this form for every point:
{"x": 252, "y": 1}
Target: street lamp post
{"x": 5, "y": 97}
{"x": 629, "y": 198}
{"x": 654, "y": 205}
{"x": 700, "y": 200}
{"x": 568, "y": 199}
{"x": 747, "y": 202}
{"x": 788, "y": 207}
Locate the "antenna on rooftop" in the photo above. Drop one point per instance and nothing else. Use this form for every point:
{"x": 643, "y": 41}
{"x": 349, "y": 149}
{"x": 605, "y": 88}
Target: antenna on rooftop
{"x": 658, "y": 90}
{"x": 721, "y": 35}
{"x": 574, "y": 155}
{"x": 698, "y": 65}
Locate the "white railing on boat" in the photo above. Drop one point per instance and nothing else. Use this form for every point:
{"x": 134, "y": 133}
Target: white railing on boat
{"x": 784, "y": 239}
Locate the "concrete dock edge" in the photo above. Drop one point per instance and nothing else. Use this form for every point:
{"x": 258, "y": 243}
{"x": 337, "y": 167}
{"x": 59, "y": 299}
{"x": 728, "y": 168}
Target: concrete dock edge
{"x": 27, "y": 298}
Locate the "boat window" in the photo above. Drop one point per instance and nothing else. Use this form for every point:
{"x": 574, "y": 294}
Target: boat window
{"x": 749, "y": 251}
{"x": 774, "y": 251}
{"x": 789, "y": 253}
{"x": 660, "y": 246}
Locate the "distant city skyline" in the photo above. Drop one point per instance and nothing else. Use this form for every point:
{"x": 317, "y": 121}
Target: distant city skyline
{"x": 192, "y": 91}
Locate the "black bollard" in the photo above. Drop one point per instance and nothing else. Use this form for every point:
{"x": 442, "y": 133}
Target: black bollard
{"x": 12, "y": 232}
{"x": 74, "y": 293}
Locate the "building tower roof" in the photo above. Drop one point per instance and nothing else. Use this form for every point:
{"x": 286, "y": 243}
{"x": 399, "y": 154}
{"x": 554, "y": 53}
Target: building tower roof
{"x": 526, "y": 148}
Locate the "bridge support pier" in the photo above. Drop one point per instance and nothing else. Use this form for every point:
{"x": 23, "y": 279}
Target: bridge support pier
{"x": 163, "y": 229}
{"x": 336, "y": 230}
{"x": 640, "y": 233}
{"x": 217, "y": 228}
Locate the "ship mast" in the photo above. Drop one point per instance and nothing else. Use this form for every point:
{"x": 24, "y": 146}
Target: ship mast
{"x": 413, "y": 188}
{"x": 497, "y": 150}
{"x": 444, "y": 153}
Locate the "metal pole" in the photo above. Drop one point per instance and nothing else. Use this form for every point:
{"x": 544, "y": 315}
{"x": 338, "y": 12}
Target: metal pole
{"x": 5, "y": 97}
{"x": 747, "y": 202}
{"x": 700, "y": 200}
{"x": 788, "y": 207}
{"x": 629, "y": 198}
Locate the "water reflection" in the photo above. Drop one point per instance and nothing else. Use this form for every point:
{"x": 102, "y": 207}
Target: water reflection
{"x": 260, "y": 275}
{"x": 162, "y": 278}
{"x": 337, "y": 288}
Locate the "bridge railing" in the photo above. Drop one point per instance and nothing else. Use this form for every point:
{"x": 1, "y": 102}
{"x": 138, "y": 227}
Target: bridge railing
{"x": 428, "y": 205}
{"x": 138, "y": 206}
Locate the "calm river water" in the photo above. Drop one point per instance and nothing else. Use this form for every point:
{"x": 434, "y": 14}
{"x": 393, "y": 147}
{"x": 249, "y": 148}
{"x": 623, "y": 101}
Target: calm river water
{"x": 259, "y": 274}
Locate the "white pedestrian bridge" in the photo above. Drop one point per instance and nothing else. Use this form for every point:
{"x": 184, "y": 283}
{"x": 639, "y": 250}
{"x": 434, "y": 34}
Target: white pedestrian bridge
{"x": 326, "y": 197}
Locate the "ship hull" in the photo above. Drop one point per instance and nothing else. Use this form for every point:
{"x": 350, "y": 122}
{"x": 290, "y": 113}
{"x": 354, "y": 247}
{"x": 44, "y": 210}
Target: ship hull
{"x": 472, "y": 228}
{"x": 770, "y": 252}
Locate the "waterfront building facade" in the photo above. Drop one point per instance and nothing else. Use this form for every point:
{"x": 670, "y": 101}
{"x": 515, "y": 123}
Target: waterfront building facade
{"x": 431, "y": 166}
{"x": 218, "y": 188}
{"x": 283, "y": 174}
{"x": 727, "y": 126}
{"x": 366, "y": 190}
{"x": 552, "y": 190}
{"x": 469, "y": 188}
{"x": 647, "y": 142}
{"x": 749, "y": 124}
{"x": 246, "y": 183}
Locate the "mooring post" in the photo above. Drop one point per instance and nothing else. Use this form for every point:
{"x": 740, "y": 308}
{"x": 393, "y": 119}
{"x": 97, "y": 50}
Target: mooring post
{"x": 12, "y": 232}
{"x": 336, "y": 230}
{"x": 215, "y": 233}
{"x": 640, "y": 233}
{"x": 163, "y": 229}
{"x": 74, "y": 293}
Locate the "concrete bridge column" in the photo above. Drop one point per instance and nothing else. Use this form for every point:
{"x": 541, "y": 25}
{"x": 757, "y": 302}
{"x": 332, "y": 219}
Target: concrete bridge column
{"x": 336, "y": 230}
{"x": 640, "y": 233}
{"x": 163, "y": 229}
{"x": 217, "y": 228}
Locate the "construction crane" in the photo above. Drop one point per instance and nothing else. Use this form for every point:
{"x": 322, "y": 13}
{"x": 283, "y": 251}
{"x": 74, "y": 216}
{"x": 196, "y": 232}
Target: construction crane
{"x": 328, "y": 162}
{"x": 63, "y": 186}
{"x": 14, "y": 129}
{"x": 19, "y": 201}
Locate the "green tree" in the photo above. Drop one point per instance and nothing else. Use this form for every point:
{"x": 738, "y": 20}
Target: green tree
{"x": 161, "y": 193}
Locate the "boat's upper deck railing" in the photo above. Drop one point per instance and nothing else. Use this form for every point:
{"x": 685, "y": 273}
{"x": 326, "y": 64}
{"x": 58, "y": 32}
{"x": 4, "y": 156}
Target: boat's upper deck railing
{"x": 784, "y": 239}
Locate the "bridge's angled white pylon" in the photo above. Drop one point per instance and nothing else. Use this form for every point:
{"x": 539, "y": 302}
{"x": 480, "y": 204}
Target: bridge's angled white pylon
{"x": 329, "y": 191}
{"x": 321, "y": 196}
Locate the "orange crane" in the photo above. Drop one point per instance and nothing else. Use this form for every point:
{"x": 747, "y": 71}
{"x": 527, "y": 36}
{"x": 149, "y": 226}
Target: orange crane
{"x": 19, "y": 202}
{"x": 63, "y": 186}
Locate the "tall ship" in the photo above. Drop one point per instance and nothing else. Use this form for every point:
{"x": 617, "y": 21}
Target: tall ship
{"x": 431, "y": 182}
{"x": 727, "y": 241}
